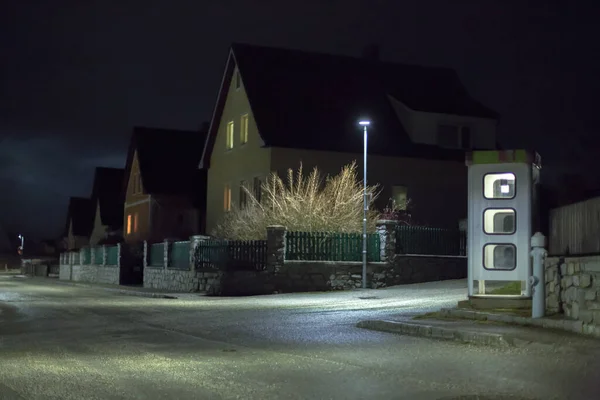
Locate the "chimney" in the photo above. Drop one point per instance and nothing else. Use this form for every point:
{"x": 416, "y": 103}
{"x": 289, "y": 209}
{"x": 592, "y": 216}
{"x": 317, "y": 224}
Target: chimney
{"x": 371, "y": 52}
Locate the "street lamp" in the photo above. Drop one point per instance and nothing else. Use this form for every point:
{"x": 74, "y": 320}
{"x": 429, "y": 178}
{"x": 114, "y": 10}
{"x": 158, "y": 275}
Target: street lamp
{"x": 364, "y": 123}
{"x": 22, "y": 242}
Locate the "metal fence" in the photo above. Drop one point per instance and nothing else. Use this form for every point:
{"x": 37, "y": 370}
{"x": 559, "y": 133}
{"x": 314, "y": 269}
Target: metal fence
{"x": 112, "y": 255}
{"x": 430, "y": 241}
{"x": 157, "y": 255}
{"x": 575, "y": 229}
{"x": 76, "y": 258}
{"x": 325, "y": 246}
{"x": 234, "y": 254}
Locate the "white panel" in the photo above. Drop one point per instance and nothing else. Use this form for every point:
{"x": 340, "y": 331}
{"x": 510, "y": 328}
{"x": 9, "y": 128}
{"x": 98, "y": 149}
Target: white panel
{"x": 503, "y": 250}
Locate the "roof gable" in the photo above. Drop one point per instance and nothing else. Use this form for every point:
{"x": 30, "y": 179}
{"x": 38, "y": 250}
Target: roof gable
{"x": 107, "y": 194}
{"x": 168, "y": 159}
{"x": 313, "y": 101}
{"x": 80, "y": 216}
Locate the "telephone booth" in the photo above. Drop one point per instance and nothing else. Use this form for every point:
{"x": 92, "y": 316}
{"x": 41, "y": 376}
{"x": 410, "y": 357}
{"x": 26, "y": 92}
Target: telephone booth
{"x": 502, "y": 195}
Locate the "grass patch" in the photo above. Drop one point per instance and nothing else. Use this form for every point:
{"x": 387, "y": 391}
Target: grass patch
{"x": 513, "y": 288}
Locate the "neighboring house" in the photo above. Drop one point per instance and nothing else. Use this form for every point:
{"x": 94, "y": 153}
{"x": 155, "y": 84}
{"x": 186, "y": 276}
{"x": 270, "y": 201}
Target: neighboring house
{"x": 277, "y": 108}
{"x": 107, "y": 199}
{"x": 80, "y": 221}
{"x": 165, "y": 192}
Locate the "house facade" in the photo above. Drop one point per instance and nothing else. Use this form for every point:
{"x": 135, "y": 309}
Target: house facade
{"x": 164, "y": 191}
{"x": 280, "y": 108}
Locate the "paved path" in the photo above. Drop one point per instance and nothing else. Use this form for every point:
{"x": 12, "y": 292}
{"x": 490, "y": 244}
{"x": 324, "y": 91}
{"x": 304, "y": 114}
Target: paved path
{"x": 64, "y": 342}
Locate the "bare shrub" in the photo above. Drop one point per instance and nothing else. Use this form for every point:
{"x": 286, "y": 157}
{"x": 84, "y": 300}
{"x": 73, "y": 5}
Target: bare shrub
{"x": 304, "y": 203}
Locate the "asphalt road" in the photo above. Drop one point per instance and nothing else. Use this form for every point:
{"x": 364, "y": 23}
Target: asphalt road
{"x": 64, "y": 342}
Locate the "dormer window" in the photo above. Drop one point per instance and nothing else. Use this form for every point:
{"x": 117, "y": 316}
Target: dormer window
{"x": 454, "y": 136}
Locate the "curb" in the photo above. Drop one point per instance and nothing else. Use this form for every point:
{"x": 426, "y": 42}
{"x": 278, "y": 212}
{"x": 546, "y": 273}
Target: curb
{"x": 560, "y": 324}
{"x": 125, "y": 292}
{"x": 436, "y": 332}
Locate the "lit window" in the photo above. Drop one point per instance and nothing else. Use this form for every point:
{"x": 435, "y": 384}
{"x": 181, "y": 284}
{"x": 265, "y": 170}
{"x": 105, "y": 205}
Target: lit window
{"x": 129, "y": 224}
{"x": 227, "y": 198}
{"x": 499, "y": 186}
{"x": 257, "y": 186}
{"x": 499, "y": 221}
{"x": 135, "y": 222}
{"x": 244, "y": 129}
{"x": 399, "y": 196}
{"x": 229, "y": 139}
{"x": 500, "y": 256}
{"x": 243, "y": 195}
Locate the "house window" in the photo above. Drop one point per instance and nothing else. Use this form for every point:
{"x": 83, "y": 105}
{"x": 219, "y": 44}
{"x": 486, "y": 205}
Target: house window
{"x": 129, "y": 224}
{"x": 135, "y": 222}
{"x": 257, "y": 186}
{"x": 227, "y": 198}
{"x": 243, "y": 195}
{"x": 244, "y": 129}
{"x": 229, "y": 139}
{"x": 454, "y": 136}
{"x": 499, "y": 221}
{"x": 499, "y": 186}
{"x": 399, "y": 197}
{"x": 237, "y": 79}
{"x": 500, "y": 256}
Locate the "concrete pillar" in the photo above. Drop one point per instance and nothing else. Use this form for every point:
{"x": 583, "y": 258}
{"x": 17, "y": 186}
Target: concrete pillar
{"x": 194, "y": 243}
{"x": 145, "y": 254}
{"x": 92, "y": 255}
{"x": 275, "y": 248}
{"x": 104, "y": 255}
{"x": 386, "y": 229}
{"x": 81, "y": 257}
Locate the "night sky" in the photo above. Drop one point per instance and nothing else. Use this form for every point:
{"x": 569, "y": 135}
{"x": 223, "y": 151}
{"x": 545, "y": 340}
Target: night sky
{"x": 76, "y": 75}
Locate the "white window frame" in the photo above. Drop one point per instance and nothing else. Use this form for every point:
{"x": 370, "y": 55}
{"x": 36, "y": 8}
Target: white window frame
{"x": 229, "y": 135}
{"x": 244, "y": 122}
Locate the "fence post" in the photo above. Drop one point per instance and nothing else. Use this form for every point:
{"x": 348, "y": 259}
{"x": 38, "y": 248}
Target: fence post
{"x": 386, "y": 229}
{"x": 275, "y": 248}
{"x": 119, "y": 248}
{"x": 166, "y": 253}
{"x": 194, "y": 243}
{"x": 81, "y": 256}
{"x": 104, "y": 255}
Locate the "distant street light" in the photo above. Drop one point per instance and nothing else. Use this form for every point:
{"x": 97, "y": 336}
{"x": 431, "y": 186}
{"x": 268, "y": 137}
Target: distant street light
{"x": 22, "y": 242}
{"x": 364, "y": 123}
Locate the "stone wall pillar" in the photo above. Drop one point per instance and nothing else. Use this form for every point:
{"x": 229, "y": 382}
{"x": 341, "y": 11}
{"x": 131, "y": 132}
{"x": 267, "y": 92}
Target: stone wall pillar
{"x": 92, "y": 255}
{"x": 553, "y": 277}
{"x": 81, "y": 257}
{"x": 275, "y": 248}
{"x": 104, "y": 255}
{"x": 145, "y": 254}
{"x": 386, "y": 229}
{"x": 194, "y": 243}
{"x": 167, "y": 249}
{"x": 119, "y": 249}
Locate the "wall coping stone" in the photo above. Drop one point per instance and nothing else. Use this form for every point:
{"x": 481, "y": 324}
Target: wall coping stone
{"x": 428, "y": 256}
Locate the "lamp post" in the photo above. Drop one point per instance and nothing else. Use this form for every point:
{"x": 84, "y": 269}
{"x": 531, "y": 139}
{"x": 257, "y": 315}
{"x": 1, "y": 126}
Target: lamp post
{"x": 22, "y": 242}
{"x": 364, "y": 123}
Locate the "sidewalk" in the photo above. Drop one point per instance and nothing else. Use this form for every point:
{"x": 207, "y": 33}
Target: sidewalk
{"x": 491, "y": 329}
{"x": 120, "y": 289}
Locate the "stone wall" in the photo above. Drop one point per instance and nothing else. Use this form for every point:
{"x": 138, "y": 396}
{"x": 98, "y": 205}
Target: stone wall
{"x": 573, "y": 288}
{"x": 178, "y": 280}
{"x": 108, "y": 274}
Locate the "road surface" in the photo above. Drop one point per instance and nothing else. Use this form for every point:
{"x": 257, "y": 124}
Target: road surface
{"x": 65, "y": 342}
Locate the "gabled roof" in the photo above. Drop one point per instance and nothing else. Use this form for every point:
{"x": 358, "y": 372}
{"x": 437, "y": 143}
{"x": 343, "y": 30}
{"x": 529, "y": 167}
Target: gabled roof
{"x": 108, "y": 195}
{"x": 313, "y": 101}
{"x": 168, "y": 160}
{"x": 81, "y": 215}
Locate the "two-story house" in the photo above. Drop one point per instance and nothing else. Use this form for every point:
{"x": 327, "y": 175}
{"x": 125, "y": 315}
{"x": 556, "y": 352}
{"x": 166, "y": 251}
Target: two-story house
{"x": 79, "y": 224}
{"x": 277, "y": 108}
{"x": 107, "y": 199}
{"x": 165, "y": 191}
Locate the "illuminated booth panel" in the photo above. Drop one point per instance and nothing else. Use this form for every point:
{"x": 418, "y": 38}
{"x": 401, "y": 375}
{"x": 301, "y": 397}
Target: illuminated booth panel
{"x": 499, "y": 221}
{"x": 499, "y": 186}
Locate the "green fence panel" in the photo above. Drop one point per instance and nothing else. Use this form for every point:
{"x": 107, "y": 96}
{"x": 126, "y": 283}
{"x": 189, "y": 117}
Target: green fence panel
{"x": 112, "y": 255}
{"x": 179, "y": 255}
{"x": 87, "y": 256}
{"x": 157, "y": 255}
{"x": 231, "y": 255}
{"x": 326, "y": 246}
{"x": 98, "y": 253}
